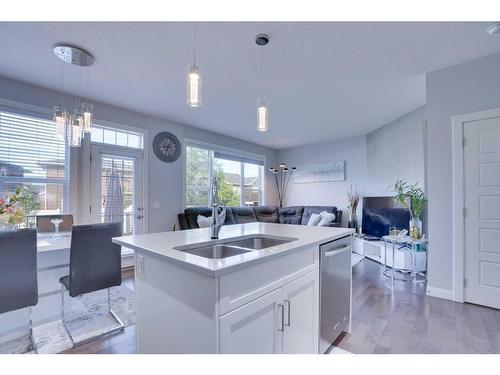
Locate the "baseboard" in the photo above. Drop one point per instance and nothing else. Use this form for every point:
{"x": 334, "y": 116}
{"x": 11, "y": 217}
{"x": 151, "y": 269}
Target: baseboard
{"x": 441, "y": 293}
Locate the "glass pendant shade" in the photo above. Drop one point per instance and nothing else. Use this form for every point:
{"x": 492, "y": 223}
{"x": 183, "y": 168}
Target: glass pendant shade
{"x": 88, "y": 117}
{"x": 76, "y": 123}
{"x": 194, "y": 87}
{"x": 60, "y": 117}
{"x": 262, "y": 113}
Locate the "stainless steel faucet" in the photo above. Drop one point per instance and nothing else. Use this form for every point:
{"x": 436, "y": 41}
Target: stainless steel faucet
{"x": 217, "y": 220}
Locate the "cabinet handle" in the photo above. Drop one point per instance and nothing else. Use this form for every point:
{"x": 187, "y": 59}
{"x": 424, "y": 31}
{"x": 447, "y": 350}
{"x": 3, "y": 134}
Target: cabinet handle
{"x": 282, "y": 317}
{"x": 336, "y": 251}
{"x": 287, "y": 301}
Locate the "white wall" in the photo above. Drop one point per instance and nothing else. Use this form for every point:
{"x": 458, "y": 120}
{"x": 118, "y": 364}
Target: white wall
{"x": 373, "y": 163}
{"x": 165, "y": 179}
{"x": 469, "y": 87}
{"x": 352, "y": 151}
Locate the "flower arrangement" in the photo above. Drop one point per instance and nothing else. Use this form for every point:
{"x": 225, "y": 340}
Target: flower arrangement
{"x": 11, "y": 207}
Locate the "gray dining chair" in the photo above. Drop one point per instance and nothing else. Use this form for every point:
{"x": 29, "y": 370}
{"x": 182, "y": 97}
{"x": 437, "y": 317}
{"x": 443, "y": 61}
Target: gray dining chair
{"x": 95, "y": 264}
{"x": 18, "y": 273}
{"x": 43, "y": 224}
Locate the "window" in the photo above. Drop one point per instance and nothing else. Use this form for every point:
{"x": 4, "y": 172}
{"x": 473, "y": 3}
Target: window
{"x": 116, "y": 137}
{"x": 31, "y": 156}
{"x": 239, "y": 177}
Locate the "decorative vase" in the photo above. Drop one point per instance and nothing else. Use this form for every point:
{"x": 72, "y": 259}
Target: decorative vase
{"x": 353, "y": 220}
{"x": 415, "y": 228}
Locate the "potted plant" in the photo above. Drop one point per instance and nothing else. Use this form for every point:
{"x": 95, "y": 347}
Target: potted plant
{"x": 411, "y": 197}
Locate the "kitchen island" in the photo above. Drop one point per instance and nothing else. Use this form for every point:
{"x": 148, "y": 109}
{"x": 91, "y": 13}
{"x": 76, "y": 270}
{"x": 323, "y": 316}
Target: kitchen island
{"x": 254, "y": 290}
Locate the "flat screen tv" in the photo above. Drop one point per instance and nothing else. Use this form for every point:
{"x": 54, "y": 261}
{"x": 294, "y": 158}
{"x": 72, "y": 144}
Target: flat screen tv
{"x": 381, "y": 213}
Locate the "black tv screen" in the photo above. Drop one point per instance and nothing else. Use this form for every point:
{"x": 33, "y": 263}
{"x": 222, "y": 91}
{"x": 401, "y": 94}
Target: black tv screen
{"x": 381, "y": 213}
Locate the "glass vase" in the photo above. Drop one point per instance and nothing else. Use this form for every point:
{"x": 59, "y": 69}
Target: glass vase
{"x": 353, "y": 220}
{"x": 415, "y": 228}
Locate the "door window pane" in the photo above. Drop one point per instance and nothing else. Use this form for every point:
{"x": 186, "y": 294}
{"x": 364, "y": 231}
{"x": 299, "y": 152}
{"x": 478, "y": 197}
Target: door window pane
{"x": 117, "y": 191}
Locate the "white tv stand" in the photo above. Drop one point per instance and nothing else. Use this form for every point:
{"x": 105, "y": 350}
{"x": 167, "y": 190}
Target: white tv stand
{"x": 402, "y": 259}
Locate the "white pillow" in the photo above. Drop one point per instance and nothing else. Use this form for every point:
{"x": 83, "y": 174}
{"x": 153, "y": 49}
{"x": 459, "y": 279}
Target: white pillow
{"x": 203, "y": 221}
{"x": 326, "y": 218}
{"x": 314, "y": 219}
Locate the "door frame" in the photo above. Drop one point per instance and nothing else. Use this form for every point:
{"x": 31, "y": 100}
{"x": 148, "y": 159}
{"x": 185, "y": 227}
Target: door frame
{"x": 87, "y": 173}
{"x": 458, "y": 144}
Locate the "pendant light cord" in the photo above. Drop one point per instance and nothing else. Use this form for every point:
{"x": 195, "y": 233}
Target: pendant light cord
{"x": 61, "y": 83}
{"x": 194, "y": 43}
{"x": 261, "y": 72}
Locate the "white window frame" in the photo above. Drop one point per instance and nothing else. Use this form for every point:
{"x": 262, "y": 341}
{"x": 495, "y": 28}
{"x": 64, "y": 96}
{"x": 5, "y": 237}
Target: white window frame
{"x": 23, "y": 109}
{"x": 212, "y": 148}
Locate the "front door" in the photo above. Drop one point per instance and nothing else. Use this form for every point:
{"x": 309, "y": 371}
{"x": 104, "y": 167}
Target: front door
{"x": 111, "y": 164}
{"x": 482, "y": 211}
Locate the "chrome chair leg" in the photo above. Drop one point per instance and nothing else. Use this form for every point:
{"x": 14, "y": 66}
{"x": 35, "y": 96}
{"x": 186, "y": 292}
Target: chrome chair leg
{"x": 33, "y": 344}
{"x": 119, "y": 328}
{"x": 63, "y": 317}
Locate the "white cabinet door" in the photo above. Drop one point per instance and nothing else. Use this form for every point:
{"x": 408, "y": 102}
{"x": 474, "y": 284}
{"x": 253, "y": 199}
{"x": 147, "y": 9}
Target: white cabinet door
{"x": 254, "y": 328}
{"x": 301, "y": 300}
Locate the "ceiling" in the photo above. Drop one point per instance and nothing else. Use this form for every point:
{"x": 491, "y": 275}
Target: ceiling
{"x": 323, "y": 81}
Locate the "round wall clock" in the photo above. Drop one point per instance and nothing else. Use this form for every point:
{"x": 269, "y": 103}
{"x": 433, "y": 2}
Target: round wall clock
{"x": 166, "y": 147}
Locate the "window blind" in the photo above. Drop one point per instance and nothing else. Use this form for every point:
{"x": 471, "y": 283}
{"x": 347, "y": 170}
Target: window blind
{"x": 238, "y": 158}
{"x": 30, "y": 149}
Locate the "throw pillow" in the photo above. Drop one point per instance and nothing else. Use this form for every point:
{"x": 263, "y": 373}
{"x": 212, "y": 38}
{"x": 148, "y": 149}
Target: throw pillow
{"x": 326, "y": 218}
{"x": 203, "y": 221}
{"x": 314, "y": 219}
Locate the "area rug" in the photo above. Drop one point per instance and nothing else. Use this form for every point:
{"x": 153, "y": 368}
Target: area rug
{"x": 356, "y": 258}
{"x": 85, "y": 316}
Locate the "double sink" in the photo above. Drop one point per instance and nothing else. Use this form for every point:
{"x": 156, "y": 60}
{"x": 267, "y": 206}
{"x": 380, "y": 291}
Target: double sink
{"x": 231, "y": 247}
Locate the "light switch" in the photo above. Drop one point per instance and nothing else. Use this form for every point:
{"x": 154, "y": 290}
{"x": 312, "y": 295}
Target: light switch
{"x": 156, "y": 204}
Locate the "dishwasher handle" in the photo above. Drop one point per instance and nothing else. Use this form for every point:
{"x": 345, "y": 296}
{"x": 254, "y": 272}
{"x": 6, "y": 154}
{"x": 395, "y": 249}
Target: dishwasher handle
{"x": 337, "y": 251}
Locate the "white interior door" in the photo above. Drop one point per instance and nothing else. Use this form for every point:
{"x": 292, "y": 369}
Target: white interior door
{"x": 128, "y": 164}
{"x": 482, "y": 218}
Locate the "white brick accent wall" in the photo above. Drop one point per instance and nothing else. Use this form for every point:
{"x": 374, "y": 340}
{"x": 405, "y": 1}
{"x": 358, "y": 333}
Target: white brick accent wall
{"x": 396, "y": 150}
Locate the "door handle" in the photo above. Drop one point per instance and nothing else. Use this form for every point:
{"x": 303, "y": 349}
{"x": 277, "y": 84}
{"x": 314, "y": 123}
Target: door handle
{"x": 287, "y": 301}
{"x": 139, "y": 217}
{"x": 282, "y": 317}
{"x": 337, "y": 251}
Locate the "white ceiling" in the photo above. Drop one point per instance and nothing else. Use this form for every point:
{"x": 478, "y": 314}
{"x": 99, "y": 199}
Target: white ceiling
{"x": 323, "y": 81}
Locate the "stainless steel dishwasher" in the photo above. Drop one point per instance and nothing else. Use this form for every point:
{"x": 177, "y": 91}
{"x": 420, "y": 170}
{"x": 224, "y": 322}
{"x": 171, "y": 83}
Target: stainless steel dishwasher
{"x": 335, "y": 289}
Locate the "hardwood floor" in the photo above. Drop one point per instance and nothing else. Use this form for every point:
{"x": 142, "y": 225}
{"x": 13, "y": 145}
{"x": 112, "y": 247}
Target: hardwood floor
{"x": 406, "y": 320}
{"x": 402, "y": 319}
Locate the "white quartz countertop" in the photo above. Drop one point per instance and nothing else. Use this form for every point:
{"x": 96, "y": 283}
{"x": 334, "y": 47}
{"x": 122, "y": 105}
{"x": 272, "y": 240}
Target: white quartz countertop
{"x": 162, "y": 244}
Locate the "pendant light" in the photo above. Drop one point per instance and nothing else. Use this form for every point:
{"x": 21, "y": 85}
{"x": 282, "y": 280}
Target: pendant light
{"x": 80, "y": 120}
{"x": 60, "y": 116}
{"x": 194, "y": 79}
{"x": 262, "y": 109}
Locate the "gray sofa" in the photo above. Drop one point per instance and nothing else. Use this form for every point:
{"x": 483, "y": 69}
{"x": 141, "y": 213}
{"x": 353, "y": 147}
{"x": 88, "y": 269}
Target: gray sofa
{"x": 269, "y": 214}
